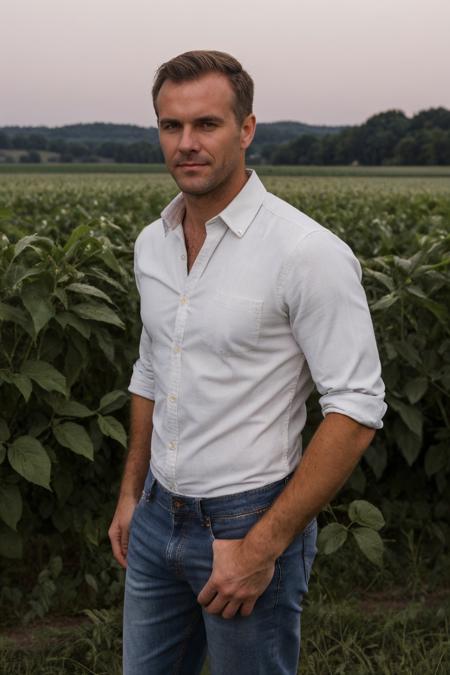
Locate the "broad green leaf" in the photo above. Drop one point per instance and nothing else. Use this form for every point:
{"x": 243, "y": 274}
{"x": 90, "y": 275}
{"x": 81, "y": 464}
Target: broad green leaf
{"x": 385, "y": 302}
{"x": 30, "y": 241}
{"x": 87, "y": 289}
{"x": 45, "y": 375}
{"x": 440, "y": 311}
{"x": 110, "y": 260}
{"x": 376, "y": 458}
{"x": 436, "y": 458}
{"x": 23, "y": 384}
{"x": 380, "y": 276}
{"x": 364, "y": 513}
{"x": 410, "y": 415}
{"x": 100, "y": 274}
{"x": 331, "y": 537}
{"x": 28, "y": 457}
{"x": 106, "y": 344}
{"x": 11, "y": 545}
{"x": 113, "y": 401}
{"x": 78, "y": 233}
{"x": 55, "y": 566}
{"x": 90, "y": 580}
{"x": 370, "y": 544}
{"x": 357, "y": 481}
{"x": 97, "y": 312}
{"x": 14, "y": 314}
{"x": 61, "y": 294}
{"x": 417, "y": 292}
{"x": 74, "y": 437}
{"x": 4, "y": 431}
{"x": 415, "y": 389}
{"x": 69, "y": 319}
{"x": 18, "y": 273}
{"x": 36, "y": 300}
{"x": 402, "y": 264}
{"x": 10, "y": 505}
{"x": 72, "y": 409}
{"x": 111, "y": 427}
{"x": 409, "y": 443}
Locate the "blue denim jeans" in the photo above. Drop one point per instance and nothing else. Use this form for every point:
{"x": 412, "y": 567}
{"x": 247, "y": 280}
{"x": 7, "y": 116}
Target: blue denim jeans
{"x": 166, "y": 631}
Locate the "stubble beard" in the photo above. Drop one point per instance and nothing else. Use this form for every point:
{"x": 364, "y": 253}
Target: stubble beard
{"x": 209, "y": 185}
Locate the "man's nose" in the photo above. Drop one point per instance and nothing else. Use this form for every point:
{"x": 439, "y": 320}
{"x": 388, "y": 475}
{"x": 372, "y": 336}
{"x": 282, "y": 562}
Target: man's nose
{"x": 188, "y": 141}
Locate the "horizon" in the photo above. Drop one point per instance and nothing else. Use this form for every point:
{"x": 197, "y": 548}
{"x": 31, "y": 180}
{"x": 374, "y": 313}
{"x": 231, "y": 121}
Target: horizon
{"x": 278, "y": 121}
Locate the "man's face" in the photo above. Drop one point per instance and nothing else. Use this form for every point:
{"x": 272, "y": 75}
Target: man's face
{"x": 202, "y": 142}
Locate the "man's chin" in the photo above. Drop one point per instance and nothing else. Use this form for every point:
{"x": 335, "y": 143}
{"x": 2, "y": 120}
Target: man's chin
{"x": 192, "y": 186}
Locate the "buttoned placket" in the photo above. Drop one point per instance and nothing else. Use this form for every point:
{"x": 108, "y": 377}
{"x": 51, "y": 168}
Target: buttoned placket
{"x": 215, "y": 231}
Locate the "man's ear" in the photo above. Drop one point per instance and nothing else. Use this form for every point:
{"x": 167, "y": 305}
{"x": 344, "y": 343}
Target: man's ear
{"x": 248, "y": 129}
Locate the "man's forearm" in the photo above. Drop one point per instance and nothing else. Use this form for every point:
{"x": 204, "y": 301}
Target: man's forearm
{"x": 328, "y": 461}
{"x": 138, "y": 457}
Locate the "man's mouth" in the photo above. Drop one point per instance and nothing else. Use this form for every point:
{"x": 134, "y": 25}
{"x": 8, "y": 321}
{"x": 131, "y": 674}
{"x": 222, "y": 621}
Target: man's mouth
{"x": 191, "y": 164}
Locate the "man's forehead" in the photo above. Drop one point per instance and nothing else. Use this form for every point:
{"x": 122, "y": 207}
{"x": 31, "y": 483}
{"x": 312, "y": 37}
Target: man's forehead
{"x": 212, "y": 90}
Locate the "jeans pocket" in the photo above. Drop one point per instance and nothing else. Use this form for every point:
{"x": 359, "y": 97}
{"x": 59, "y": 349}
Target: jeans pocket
{"x": 234, "y": 526}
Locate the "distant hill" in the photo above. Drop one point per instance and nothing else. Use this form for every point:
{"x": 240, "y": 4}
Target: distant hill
{"x": 96, "y": 132}
{"x": 388, "y": 137}
{"x": 104, "y": 132}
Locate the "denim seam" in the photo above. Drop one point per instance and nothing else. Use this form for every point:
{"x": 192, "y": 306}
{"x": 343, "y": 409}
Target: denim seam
{"x": 179, "y": 554}
{"x": 185, "y": 643}
{"x": 169, "y": 544}
{"x": 276, "y": 612}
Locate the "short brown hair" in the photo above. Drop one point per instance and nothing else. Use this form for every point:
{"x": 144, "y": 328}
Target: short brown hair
{"x": 194, "y": 64}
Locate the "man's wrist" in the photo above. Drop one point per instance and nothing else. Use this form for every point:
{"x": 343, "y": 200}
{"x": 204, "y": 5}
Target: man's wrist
{"x": 261, "y": 546}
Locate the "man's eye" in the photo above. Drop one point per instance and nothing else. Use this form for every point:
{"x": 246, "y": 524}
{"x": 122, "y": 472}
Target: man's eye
{"x": 168, "y": 126}
{"x": 208, "y": 125}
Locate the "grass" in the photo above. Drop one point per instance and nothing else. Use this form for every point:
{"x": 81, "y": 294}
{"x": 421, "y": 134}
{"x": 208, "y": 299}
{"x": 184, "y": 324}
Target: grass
{"x": 350, "y": 636}
{"x": 357, "y": 620}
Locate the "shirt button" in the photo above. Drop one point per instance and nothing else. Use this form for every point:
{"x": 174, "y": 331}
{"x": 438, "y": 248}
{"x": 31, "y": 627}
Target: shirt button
{"x": 239, "y": 231}
{"x": 182, "y": 256}
{"x": 183, "y": 299}
{"x": 172, "y": 445}
{"x": 177, "y": 349}
{"x": 172, "y": 397}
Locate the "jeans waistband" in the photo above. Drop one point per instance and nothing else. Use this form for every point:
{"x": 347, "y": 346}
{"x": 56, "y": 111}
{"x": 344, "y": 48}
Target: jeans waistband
{"x": 248, "y": 500}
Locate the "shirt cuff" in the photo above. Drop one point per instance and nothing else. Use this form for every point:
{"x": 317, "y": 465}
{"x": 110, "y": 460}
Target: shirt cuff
{"x": 367, "y": 409}
{"x": 141, "y": 383}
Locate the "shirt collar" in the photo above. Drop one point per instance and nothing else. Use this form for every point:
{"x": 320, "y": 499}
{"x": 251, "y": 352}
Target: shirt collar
{"x": 237, "y": 215}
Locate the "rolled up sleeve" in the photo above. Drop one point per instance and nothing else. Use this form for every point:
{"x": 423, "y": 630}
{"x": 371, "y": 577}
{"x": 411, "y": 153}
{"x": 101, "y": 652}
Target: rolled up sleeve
{"x": 142, "y": 379}
{"x": 331, "y": 323}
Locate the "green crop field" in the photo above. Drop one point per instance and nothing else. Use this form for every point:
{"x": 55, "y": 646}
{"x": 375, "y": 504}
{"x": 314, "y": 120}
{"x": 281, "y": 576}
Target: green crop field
{"x": 69, "y": 326}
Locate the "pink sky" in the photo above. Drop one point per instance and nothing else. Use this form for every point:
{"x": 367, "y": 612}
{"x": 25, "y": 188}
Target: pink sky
{"x": 316, "y": 61}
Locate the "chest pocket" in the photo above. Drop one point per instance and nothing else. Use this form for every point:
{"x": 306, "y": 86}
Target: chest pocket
{"x": 231, "y": 323}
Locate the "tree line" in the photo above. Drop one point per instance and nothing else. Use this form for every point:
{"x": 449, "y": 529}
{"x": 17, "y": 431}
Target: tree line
{"x": 387, "y": 138}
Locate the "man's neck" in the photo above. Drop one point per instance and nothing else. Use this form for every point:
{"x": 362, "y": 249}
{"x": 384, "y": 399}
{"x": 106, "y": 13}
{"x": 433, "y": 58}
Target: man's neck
{"x": 201, "y": 208}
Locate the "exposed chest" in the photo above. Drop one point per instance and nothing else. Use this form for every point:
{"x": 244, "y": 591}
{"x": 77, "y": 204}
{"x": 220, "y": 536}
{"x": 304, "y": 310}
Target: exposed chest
{"x": 194, "y": 241}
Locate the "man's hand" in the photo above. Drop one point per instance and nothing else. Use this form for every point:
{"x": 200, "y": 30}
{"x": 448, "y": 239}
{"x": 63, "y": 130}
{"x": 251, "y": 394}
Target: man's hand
{"x": 120, "y": 529}
{"x": 236, "y": 580}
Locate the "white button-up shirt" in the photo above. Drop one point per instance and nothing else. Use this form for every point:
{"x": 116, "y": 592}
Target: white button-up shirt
{"x": 272, "y": 305}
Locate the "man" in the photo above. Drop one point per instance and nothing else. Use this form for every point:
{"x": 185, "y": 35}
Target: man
{"x": 246, "y": 303}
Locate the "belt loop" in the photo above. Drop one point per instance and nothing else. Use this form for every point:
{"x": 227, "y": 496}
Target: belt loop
{"x": 206, "y": 521}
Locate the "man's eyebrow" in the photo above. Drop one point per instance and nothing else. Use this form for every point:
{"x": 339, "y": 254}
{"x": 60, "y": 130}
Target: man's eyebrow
{"x": 204, "y": 118}
{"x": 164, "y": 120}
{"x": 210, "y": 118}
